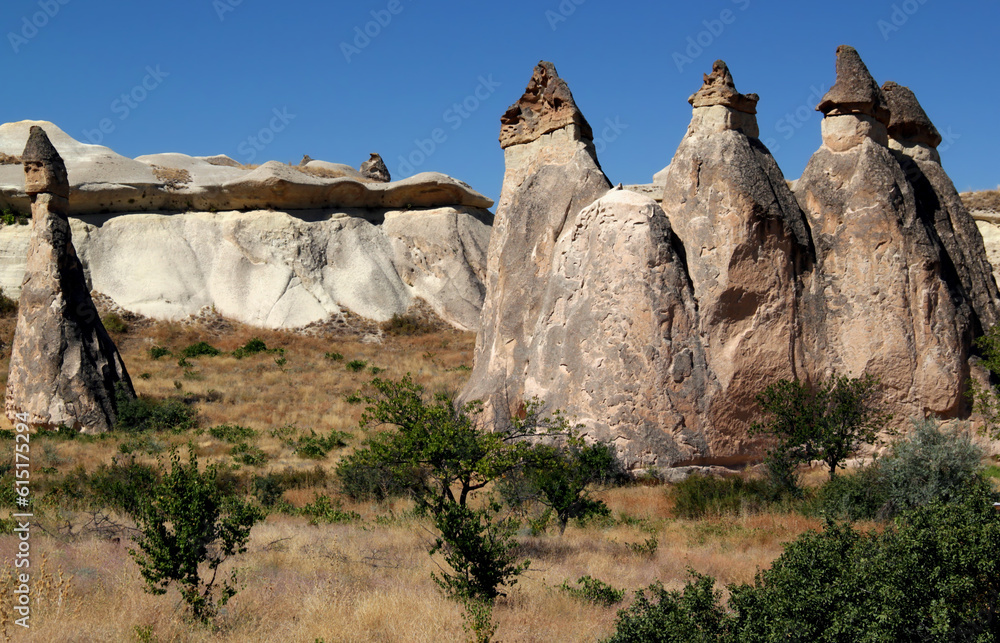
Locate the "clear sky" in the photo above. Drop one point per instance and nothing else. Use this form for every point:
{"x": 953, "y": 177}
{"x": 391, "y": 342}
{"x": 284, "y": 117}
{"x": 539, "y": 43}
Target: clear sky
{"x": 275, "y": 80}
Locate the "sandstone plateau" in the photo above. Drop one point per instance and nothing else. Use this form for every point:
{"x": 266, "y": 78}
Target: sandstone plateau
{"x": 655, "y": 321}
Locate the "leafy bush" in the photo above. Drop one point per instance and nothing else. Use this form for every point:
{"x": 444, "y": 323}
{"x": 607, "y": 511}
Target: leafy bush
{"x": 252, "y": 347}
{"x": 647, "y": 547}
{"x": 156, "y": 352}
{"x": 268, "y": 489}
{"x": 930, "y": 464}
{"x": 188, "y": 525}
{"x": 114, "y": 323}
{"x": 323, "y": 509}
{"x": 693, "y": 615}
{"x": 122, "y": 485}
{"x": 594, "y": 591}
{"x": 248, "y": 454}
{"x": 334, "y": 357}
{"x": 404, "y": 325}
{"x": 363, "y": 476}
{"x": 356, "y": 365}
{"x": 8, "y": 307}
{"x": 145, "y": 414}
{"x": 316, "y": 447}
{"x": 200, "y": 349}
{"x": 232, "y": 433}
{"x": 698, "y": 496}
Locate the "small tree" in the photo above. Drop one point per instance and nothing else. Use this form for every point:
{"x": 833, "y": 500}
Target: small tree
{"x": 188, "y": 529}
{"x": 827, "y": 422}
{"x": 986, "y": 399}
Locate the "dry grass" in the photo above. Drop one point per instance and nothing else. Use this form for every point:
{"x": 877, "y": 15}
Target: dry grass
{"x": 368, "y": 580}
{"x": 172, "y": 177}
{"x": 987, "y": 200}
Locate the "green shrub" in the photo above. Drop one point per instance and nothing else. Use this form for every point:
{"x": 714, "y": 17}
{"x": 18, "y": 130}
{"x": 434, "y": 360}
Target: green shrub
{"x": 356, "y": 365}
{"x": 268, "y": 489}
{"x": 156, "y": 352}
{"x": 145, "y": 414}
{"x": 406, "y": 325}
{"x": 594, "y": 591}
{"x": 698, "y": 496}
{"x": 113, "y": 323}
{"x": 323, "y": 509}
{"x": 647, "y": 547}
{"x": 248, "y": 454}
{"x": 693, "y": 615}
{"x": 252, "y": 347}
{"x": 315, "y": 446}
{"x": 334, "y": 357}
{"x": 187, "y": 524}
{"x": 200, "y": 349}
{"x": 363, "y": 477}
{"x": 930, "y": 464}
{"x": 122, "y": 485}
{"x": 232, "y": 433}
{"x": 8, "y": 307}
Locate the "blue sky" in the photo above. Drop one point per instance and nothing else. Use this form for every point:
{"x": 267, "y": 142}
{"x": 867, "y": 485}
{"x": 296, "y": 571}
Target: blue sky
{"x": 262, "y": 80}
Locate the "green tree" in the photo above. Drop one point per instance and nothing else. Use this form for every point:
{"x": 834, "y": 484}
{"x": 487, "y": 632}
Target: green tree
{"x": 188, "y": 528}
{"x": 827, "y": 422}
{"x": 986, "y": 399}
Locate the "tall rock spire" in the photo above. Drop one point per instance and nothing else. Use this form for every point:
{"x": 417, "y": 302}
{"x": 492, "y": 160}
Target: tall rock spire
{"x": 64, "y": 368}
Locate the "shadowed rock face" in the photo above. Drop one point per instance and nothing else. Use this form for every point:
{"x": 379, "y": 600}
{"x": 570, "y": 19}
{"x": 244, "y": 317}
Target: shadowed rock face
{"x": 879, "y": 299}
{"x": 746, "y": 242}
{"x": 914, "y": 141}
{"x": 375, "y": 169}
{"x": 64, "y": 367}
{"x": 551, "y": 175}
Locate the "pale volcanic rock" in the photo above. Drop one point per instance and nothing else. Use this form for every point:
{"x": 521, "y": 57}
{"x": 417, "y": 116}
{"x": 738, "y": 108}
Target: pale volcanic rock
{"x": 878, "y": 300}
{"x": 718, "y": 88}
{"x": 64, "y": 368}
{"x": 914, "y": 141}
{"x": 616, "y": 341}
{"x": 746, "y": 242}
{"x": 551, "y": 175}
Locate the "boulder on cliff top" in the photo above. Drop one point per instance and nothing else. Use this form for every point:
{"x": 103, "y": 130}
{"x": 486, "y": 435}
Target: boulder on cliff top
{"x": 375, "y": 169}
{"x": 718, "y": 89}
{"x": 64, "y": 368}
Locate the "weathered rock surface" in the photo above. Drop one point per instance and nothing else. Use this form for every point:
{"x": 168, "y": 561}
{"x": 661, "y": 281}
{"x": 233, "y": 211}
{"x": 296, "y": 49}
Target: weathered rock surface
{"x": 64, "y": 367}
{"x": 879, "y": 300}
{"x": 375, "y": 169}
{"x": 551, "y": 175}
{"x": 616, "y": 341}
{"x": 746, "y": 243}
{"x": 914, "y": 141}
{"x": 279, "y": 269}
{"x": 102, "y": 181}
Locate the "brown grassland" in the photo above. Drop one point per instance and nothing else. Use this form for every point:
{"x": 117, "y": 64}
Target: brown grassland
{"x": 367, "y": 580}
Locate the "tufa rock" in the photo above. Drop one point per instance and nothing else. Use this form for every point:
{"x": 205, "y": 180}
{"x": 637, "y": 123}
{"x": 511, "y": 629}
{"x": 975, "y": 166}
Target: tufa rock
{"x": 375, "y": 169}
{"x": 855, "y": 91}
{"x": 64, "y": 368}
{"x": 718, "y": 89}
{"x": 879, "y": 299}
{"x": 914, "y": 140}
{"x": 747, "y": 242}
{"x": 551, "y": 175}
{"x": 306, "y": 160}
{"x": 546, "y": 106}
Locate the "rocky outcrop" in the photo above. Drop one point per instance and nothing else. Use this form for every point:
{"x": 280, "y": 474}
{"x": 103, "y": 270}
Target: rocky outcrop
{"x": 914, "y": 140}
{"x": 747, "y": 243}
{"x": 64, "y": 368}
{"x": 551, "y": 175}
{"x": 375, "y": 169}
{"x": 616, "y": 341}
{"x": 878, "y": 300}
{"x": 102, "y": 181}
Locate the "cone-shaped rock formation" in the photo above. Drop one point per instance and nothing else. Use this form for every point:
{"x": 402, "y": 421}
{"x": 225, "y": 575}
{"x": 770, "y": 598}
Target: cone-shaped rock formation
{"x": 879, "y": 300}
{"x": 914, "y": 140}
{"x": 64, "y": 368}
{"x": 746, "y": 241}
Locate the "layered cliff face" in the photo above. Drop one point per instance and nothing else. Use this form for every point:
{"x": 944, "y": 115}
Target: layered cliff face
{"x": 747, "y": 242}
{"x": 879, "y": 300}
{"x": 276, "y": 246}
